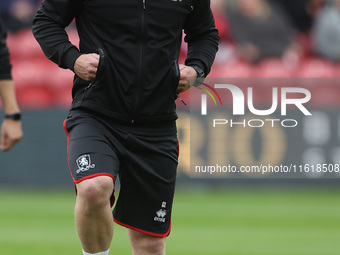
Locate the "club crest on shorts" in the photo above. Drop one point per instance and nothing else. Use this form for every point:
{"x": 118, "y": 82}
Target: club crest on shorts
{"x": 84, "y": 163}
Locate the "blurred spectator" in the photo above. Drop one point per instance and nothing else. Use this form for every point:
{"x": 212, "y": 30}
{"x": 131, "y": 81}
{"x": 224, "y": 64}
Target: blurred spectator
{"x": 260, "y": 29}
{"x": 226, "y": 53}
{"x": 326, "y": 32}
{"x": 18, "y": 14}
{"x": 218, "y": 8}
{"x": 302, "y": 12}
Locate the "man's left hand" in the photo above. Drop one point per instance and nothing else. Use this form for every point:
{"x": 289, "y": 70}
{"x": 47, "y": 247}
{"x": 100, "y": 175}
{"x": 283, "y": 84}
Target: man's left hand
{"x": 187, "y": 78}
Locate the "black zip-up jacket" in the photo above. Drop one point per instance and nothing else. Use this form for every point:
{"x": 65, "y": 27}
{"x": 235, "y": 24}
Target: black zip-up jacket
{"x": 138, "y": 42}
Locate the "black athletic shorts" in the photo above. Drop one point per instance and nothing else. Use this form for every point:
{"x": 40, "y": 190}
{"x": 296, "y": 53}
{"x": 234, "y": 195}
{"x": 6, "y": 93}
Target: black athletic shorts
{"x": 145, "y": 158}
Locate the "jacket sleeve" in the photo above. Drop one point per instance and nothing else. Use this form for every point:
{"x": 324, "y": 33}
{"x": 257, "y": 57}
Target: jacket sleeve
{"x": 5, "y": 66}
{"x": 202, "y": 36}
{"x": 49, "y": 30}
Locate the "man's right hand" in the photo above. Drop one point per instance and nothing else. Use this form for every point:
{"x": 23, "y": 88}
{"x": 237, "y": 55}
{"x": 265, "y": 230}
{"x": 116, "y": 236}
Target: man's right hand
{"x": 10, "y": 134}
{"x": 86, "y": 66}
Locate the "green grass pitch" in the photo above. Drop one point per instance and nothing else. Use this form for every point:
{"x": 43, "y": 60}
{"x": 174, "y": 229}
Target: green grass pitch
{"x": 235, "y": 222}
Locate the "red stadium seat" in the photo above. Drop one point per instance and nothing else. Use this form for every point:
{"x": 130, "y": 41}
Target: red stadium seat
{"x": 235, "y": 70}
{"x": 61, "y": 82}
{"x": 27, "y": 72}
{"x": 272, "y": 68}
{"x": 316, "y": 68}
{"x": 34, "y": 96}
{"x": 23, "y": 45}
{"x": 31, "y": 86}
{"x": 59, "y": 79}
{"x": 336, "y": 73}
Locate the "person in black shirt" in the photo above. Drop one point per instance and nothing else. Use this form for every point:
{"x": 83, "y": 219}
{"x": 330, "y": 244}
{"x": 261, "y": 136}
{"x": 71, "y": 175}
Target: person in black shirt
{"x": 11, "y": 129}
{"x": 122, "y": 121}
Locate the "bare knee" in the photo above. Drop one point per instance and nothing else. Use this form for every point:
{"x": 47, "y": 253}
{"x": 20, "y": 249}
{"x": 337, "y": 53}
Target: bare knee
{"x": 95, "y": 192}
{"x": 143, "y": 244}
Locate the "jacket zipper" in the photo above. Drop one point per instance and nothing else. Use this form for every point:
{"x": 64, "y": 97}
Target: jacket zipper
{"x": 140, "y": 71}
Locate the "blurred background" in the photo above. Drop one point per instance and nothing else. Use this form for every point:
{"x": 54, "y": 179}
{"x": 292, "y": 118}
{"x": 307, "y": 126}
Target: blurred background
{"x": 248, "y": 215}
{"x": 259, "y": 39}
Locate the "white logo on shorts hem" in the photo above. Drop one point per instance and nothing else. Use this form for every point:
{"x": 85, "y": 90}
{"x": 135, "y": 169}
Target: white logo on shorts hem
{"x": 161, "y": 213}
{"x": 84, "y": 163}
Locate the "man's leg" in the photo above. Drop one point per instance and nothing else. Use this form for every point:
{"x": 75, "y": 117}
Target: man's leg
{"x": 143, "y": 244}
{"x": 93, "y": 214}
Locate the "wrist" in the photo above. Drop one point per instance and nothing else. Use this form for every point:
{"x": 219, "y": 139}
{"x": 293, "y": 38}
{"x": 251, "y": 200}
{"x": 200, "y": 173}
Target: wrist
{"x": 13, "y": 116}
{"x": 199, "y": 71}
{"x": 200, "y": 75}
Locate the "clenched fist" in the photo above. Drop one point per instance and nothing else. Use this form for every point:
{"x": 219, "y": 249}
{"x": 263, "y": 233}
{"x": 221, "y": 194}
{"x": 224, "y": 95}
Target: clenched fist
{"x": 86, "y": 66}
{"x": 188, "y": 76}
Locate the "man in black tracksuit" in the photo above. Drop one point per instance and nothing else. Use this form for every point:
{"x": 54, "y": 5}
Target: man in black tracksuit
{"x": 11, "y": 130}
{"x": 122, "y": 118}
